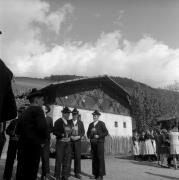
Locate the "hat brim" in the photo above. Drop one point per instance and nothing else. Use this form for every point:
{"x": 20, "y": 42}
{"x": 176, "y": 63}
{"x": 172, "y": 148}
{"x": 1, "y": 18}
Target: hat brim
{"x": 36, "y": 94}
{"x": 76, "y": 113}
{"x": 96, "y": 114}
{"x": 66, "y": 112}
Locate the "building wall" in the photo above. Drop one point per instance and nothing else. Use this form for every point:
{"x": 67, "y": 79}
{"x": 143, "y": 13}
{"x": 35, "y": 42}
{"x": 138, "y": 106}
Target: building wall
{"x": 111, "y": 120}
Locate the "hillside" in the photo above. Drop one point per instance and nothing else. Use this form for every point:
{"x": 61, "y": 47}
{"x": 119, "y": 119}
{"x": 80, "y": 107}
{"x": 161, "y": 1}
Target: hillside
{"x": 147, "y": 104}
{"x": 24, "y": 84}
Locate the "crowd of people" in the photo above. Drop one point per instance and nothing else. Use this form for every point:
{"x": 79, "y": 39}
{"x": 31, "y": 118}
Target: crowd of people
{"x": 157, "y": 145}
{"x": 30, "y": 135}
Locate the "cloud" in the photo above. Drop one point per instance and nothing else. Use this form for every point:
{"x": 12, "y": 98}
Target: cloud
{"x": 55, "y": 19}
{"x": 147, "y": 60}
{"x": 20, "y": 41}
{"x": 118, "y": 21}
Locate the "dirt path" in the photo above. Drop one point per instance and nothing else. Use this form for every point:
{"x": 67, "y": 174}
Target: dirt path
{"x": 120, "y": 168}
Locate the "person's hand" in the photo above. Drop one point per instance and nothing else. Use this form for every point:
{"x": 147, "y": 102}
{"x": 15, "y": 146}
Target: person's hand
{"x": 75, "y": 138}
{"x": 66, "y": 139}
{"x": 52, "y": 150}
{"x": 96, "y": 136}
{"x": 52, "y": 136}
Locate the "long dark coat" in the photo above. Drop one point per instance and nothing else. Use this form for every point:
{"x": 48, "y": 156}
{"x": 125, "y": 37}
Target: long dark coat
{"x": 97, "y": 147}
{"x": 7, "y": 101}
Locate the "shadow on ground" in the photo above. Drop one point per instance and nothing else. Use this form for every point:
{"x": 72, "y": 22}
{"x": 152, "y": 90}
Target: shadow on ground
{"x": 163, "y": 176}
{"x": 147, "y": 163}
{"x": 127, "y": 157}
{"x": 139, "y": 162}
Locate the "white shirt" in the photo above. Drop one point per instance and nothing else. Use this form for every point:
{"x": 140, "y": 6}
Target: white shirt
{"x": 95, "y": 122}
{"x": 74, "y": 122}
{"x": 64, "y": 120}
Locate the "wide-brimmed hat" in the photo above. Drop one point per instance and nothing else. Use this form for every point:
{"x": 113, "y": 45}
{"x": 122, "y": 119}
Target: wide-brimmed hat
{"x": 96, "y": 112}
{"x": 75, "y": 111}
{"x": 34, "y": 93}
{"x": 66, "y": 110}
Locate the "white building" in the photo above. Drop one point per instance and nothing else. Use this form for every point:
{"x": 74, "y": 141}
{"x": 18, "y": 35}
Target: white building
{"x": 117, "y": 125}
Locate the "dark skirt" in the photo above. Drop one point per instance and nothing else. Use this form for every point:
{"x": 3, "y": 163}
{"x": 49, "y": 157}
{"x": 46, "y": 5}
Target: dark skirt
{"x": 165, "y": 149}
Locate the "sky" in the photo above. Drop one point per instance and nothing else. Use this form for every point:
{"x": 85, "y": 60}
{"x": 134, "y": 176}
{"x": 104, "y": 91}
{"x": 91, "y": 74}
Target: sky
{"x": 137, "y": 39}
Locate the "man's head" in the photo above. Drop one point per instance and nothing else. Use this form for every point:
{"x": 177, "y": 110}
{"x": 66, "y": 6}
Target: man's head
{"x": 96, "y": 115}
{"x": 75, "y": 114}
{"x": 36, "y": 97}
{"x": 66, "y": 113}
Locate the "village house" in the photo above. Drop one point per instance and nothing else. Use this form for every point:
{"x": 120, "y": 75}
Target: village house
{"x": 89, "y": 94}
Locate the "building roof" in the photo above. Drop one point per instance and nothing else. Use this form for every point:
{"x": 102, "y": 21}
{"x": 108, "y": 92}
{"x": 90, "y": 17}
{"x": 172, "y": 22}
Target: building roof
{"x": 69, "y": 87}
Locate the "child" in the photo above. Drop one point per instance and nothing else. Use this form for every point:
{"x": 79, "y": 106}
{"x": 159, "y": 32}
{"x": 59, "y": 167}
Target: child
{"x": 165, "y": 146}
{"x": 149, "y": 150}
{"x": 135, "y": 145}
{"x": 142, "y": 146}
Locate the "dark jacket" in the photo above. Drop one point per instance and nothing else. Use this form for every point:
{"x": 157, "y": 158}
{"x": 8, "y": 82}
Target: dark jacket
{"x": 141, "y": 138}
{"x": 50, "y": 125}
{"x": 59, "y": 130}
{"x": 8, "y": 109}
{"x": 147, "y": 136}
{"x": 32, "y": 126}
{"x": 101, "y": 130}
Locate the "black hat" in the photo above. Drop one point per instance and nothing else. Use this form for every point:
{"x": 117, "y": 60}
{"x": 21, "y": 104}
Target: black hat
{"x": 34, "y": 93}
{"x": 75, "y": 111}
{"x": 66, "y": 110}
{"x": 96, "y": 112}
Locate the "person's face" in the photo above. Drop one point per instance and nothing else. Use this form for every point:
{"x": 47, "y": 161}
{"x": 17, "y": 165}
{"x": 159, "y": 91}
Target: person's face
{"x": 66, "y": 115}
{"x": 95, "y": 117}
{"x": 75, "y": 117}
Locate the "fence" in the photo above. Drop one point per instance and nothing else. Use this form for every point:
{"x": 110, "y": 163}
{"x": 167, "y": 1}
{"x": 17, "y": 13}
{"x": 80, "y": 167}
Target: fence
{"x": 115, "y": 145}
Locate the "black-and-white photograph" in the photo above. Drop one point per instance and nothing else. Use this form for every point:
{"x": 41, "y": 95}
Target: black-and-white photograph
{"x": 89, "y": 89}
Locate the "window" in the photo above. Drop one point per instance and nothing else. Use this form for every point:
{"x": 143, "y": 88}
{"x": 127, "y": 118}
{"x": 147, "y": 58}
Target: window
{"x": 124, "y": 124}
{"x": 115, "y": 124}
